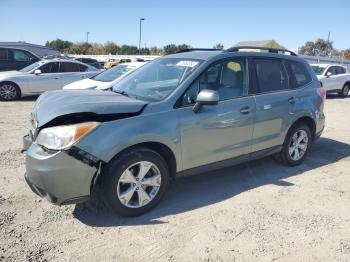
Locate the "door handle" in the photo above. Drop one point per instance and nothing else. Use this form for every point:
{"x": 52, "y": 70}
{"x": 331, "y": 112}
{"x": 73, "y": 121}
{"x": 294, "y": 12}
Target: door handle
{"x": 245, "y": 110}
{"x": 292, "y": 100}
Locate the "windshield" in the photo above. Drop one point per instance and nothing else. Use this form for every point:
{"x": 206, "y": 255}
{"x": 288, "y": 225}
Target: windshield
{"x": 157, "y": 79}
{"x": 318, "y": 69}
{"x": 113, "y": 73}
{"x": 31, "y": 67}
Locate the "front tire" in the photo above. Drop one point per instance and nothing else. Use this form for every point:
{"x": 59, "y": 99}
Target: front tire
{"x": 296, "y": 145}
{"x": 134, "y": 182}
{"x": 9, "y": 92}
{"x": 345, "y": 91}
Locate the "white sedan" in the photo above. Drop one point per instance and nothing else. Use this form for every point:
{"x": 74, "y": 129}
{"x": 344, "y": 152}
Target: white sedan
{"x": 45, "y": 75}
{"x": 106, "y": 79}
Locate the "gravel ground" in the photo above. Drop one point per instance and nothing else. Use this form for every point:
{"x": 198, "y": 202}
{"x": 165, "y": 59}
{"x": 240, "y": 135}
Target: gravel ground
{"x": 260, "y": 211}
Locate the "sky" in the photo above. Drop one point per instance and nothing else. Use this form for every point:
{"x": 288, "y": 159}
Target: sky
{"x": 201, "y": 23}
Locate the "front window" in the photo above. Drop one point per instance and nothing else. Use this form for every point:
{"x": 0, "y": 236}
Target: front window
{"x": 229, "y": 79}
{"x": 113, "y": 73}
{"x": 318, "y": 69}
{"x": 157, "y": 79}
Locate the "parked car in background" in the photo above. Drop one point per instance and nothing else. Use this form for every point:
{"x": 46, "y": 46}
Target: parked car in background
{"x": 15, "y": 59}
{"x": 110, "y": 63}
{"x": 334, "y": 78}
{"x": 180, "y": 114}
{"x": 89, "y": 61}
{"x": 42, "y": 76}
{"x": 105, "y": 79}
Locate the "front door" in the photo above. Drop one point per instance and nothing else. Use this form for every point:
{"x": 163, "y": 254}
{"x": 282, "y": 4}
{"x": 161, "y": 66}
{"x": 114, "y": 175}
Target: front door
{"x": 48, "y": 79}
{"x": 222, "y": 131}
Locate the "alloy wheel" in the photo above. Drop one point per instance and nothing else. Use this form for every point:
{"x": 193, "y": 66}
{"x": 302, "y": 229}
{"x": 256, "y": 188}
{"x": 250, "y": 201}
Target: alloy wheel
{"x": 139, "y": 184}
{"x": 346, "y": 90}
{"x": 8, "y": 92}
{"x": 298, "y": 145}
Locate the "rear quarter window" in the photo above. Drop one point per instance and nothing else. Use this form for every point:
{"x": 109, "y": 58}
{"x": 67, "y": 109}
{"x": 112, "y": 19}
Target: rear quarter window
{"x": 298, "y": 74}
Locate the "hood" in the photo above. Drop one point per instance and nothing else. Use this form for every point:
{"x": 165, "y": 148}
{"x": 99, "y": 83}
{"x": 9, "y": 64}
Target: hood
{"x": 83, "y": 105}
{"x": 7, "y": 74}
{"x": 84, "y": 84}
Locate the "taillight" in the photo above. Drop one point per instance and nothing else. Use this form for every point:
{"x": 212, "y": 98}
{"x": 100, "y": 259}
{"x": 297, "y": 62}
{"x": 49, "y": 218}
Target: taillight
{"x": 321, "y": 92}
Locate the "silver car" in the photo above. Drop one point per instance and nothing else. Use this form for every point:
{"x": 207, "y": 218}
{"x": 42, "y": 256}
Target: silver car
{"x": 42, "y": 76}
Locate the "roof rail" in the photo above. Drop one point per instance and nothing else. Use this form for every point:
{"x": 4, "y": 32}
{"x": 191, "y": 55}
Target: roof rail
{"x": 197, "y": 49}
{"x": 269, "y": 49}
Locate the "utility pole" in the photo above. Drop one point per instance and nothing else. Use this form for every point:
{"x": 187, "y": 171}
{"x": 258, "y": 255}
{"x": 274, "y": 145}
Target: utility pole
{"x": 328, "y": 44}
{"x": 141, "y": 19}
{"x": 87, "y": 37}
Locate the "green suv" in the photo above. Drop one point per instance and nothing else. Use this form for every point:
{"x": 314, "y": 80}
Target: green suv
{"x": 190, "y": 112}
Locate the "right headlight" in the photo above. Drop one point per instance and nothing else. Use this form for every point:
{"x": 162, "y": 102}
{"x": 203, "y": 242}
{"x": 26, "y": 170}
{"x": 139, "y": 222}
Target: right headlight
{"x": 63, "y": 137}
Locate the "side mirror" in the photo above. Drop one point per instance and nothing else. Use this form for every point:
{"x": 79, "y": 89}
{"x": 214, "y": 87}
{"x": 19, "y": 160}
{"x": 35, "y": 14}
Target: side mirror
{"x": 328, "y": 74}
{"x": 37, "y": 72}
{"x": 206, "y": 97}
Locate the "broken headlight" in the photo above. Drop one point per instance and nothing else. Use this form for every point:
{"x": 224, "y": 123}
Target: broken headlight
{"x": 63, "y": 137}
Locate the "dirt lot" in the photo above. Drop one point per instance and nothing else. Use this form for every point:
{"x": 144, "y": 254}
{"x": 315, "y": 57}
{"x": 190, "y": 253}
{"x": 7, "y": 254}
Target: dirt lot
{"x": 261, "y": 211}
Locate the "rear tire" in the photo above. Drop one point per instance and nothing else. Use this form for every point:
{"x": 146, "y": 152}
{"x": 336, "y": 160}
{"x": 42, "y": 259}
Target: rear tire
{"x": 296, "y": 145}
{"x": 9, "y": 91}
{"x": 134, "y": 182}
{"x": 345, "y": 91}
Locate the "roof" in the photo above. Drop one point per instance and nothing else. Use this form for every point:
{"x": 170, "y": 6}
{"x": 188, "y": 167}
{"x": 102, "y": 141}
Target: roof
{"x": 203, "y": 55}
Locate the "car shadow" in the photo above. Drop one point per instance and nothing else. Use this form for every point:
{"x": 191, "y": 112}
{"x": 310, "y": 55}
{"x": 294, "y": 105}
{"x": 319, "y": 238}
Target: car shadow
{"x": 194, "y": 192}
{"x": 334, "y": 96}
{"x": 29, "y": 98}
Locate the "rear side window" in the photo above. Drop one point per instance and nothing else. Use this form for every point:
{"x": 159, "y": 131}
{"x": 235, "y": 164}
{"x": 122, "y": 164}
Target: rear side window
{"x": 299, "y": 76}
{"x": 3, "y": 54}
{"x": 69, "y": 67}
{"x": 50, "y": 68}
{"x": 271, "y": 75}
{"x": 20, "y": 56}
{"x": 340, "y": 70}
{"x": 83, "y": 68}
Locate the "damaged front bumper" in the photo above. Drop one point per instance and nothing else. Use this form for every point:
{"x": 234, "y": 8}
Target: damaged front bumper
{"x": 60, "y": 177}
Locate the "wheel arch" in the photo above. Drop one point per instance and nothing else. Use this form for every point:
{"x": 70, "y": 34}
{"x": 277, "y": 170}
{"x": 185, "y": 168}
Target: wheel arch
{"x": 160, "y": 148}
{"x": 309, "y": 121}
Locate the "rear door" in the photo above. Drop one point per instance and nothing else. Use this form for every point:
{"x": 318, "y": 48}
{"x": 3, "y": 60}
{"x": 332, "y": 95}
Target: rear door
{"x": 222, "y": 131}
{"x": 71, "y": 72}
{"x": 5, "y": 62}
{"x": 275, "y": 99}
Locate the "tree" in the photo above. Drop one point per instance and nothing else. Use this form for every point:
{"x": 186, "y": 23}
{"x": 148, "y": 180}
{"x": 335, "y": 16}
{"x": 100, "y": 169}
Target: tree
{"x": 183, "y": 46}
{"x": 111, "y": 48}
{"x": 156, "y": 51}
{"x": 170, "y": 49}
{"x": 128, "y": 50}
{"x": 59, "y": 44}
{"x": 320, "y": 47}
{"x": 219, "y": 46}
{"x": 79, "y": 48}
